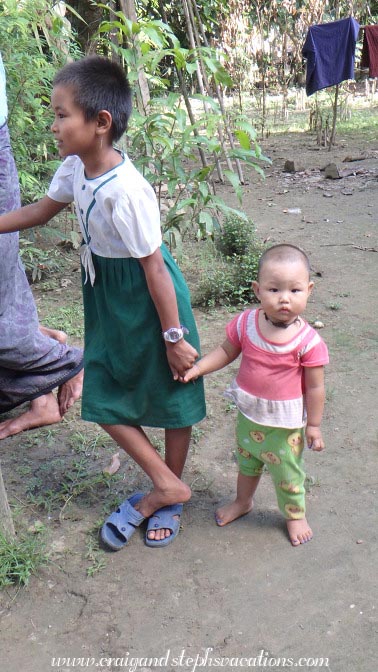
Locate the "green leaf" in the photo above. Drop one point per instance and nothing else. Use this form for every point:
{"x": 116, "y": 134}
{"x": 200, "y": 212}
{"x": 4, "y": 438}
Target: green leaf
{"x": 206, "y": 225}
{"x": 181, "y": 119}
{"x": 203, "y": 188}
{"x": 234, "y": 180}
{"x": 245, "y": 125}
{"x": 191, "y": 67}
{"x": 244, "y": 139}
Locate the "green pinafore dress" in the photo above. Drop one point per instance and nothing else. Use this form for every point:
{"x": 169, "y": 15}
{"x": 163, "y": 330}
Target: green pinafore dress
{"x": 127, "y": 378}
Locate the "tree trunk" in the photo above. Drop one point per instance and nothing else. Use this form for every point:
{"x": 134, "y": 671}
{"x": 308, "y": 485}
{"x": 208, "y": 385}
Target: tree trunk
{"x": 143, "y": 94}
{"x": 92, "y": 15}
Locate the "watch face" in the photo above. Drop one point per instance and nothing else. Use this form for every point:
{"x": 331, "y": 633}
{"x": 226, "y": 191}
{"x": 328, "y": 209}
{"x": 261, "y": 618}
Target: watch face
{"x": 173, "y": 335}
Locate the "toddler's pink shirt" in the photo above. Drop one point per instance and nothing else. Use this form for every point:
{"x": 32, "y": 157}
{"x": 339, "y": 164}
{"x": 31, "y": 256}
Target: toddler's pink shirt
{"x": 268, "y": 388}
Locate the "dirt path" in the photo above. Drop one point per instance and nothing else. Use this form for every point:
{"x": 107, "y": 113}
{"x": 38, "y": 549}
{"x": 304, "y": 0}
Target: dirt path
{"x": 242, "y": 591}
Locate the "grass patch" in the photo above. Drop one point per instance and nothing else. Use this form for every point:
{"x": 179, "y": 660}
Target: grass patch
{"x": 20, "y": 558}
{"x": 94, "y": 555}
{"x": 68, "y": 318}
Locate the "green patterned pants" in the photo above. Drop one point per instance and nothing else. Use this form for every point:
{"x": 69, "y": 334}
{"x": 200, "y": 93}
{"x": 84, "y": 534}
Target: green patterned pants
{"x": 280, "y": 451}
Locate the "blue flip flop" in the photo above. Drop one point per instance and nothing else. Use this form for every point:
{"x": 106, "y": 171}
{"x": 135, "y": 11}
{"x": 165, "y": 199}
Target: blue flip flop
{"x": 122, "y": 523}
{"x": 164, "y": 518}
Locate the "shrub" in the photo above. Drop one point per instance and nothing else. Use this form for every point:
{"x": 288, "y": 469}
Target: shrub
{"x": 227, "y": 270}
{"x": 235, "y": 236}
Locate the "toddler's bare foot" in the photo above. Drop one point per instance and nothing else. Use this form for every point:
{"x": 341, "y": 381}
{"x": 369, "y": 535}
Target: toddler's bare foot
{"x": 229, "y": 512}
{"x": 299, "y": 531}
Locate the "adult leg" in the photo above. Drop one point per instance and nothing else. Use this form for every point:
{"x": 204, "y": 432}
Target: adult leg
{"x": 167, "y": 487}
{"x": 56, "y": 334}
{"x": 42, "y": 411}
{"x": 45, "y": 409}
{"x": 31, "y": 365}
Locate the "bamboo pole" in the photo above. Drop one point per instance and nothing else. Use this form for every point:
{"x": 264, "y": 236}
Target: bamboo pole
{"x": 334, "y": 117}
{"x": 6, "y": 521}
{"x": 334, "y": 113}
{"x": 185, "y": 93}
{"x": 203, "y": 81}
{"x": 193, "y": 7}
{"x": 143, "y": 92}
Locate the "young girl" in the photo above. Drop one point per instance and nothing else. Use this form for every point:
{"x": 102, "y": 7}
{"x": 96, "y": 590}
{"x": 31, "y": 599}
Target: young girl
{"x": 280, "y": 381}
{"x": 136, "y": 304}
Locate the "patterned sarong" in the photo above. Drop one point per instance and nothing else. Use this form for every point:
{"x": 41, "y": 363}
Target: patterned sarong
{"x": 31, "y": 364}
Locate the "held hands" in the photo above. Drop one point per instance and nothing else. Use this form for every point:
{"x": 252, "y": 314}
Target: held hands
{"x": 181, "y": 357}
{"x": 314, "y": 438}
{"x": 191, "y": 374}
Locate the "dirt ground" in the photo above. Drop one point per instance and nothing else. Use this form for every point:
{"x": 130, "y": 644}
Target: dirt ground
{"x": 239, "y": 596}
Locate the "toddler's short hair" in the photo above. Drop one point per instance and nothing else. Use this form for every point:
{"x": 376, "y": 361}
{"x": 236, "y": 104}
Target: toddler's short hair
{"x": 99, "y": 84}
{"x": 284, "y": 252}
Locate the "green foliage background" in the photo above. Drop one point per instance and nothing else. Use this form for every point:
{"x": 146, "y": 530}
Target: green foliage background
{"x": 29, "y": 47}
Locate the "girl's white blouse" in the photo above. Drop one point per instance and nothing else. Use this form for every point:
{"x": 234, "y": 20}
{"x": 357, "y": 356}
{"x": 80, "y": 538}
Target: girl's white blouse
{"x": 117, "y": 212}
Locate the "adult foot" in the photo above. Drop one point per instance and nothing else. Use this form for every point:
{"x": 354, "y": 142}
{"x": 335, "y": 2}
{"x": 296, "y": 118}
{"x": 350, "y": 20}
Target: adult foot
{"x": 299, "y": 531}
{"x": 157, "y": 499}
{"x": 42, "y": 411}
{"x": 56, "y": 334}
{"x": 229, "y": 512}
{"x": 69, "y": 392}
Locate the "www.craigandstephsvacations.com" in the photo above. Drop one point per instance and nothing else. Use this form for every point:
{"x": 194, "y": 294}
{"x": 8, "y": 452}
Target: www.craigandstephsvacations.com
{"x": 190, "y": 662}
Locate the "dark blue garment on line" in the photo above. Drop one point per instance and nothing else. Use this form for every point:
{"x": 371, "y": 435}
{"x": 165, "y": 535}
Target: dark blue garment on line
{"x": 329, "y": 49}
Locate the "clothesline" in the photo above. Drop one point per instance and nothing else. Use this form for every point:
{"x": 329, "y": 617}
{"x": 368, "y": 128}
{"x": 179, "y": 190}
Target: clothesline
{"x": 330, "y": 52}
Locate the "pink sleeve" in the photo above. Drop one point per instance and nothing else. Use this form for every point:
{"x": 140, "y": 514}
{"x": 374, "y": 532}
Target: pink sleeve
{"x": 316, "y": 355}
{"x": 232, "y": 331}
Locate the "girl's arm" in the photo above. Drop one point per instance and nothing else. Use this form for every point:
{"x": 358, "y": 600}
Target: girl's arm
{"x": 315, "y": 397}
{"x": 181, "y": 355}
{"x": 30, "y": 215}
{"x": 216, "y": 359}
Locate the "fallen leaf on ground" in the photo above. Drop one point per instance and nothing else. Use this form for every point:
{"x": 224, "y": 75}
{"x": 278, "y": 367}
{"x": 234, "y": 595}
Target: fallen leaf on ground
{"x": 114, "y": 465}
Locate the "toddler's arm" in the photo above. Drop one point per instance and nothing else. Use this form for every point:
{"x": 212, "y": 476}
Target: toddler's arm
{"x": 315, "y": 396}
{"x": 216, "y": 359}
{"x": 30, "y": 215}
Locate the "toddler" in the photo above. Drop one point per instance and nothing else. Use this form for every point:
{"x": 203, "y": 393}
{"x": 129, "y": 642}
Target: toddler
{"x": 279, "y": 389}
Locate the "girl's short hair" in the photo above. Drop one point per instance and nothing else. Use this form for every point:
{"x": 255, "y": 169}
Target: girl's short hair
{"x": 99, "y": 84}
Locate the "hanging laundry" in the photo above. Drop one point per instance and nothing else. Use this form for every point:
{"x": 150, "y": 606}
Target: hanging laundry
{"x": 329, "y": 49}
{"x": 369, "y": 56}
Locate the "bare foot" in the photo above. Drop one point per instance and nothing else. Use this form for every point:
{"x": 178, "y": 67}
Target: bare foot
{"x": 42, "y": 411}
{"x": 299, "y": 531}
{"x": 69, "y": 392}
{"x": 156, "y": 499}
{"x": 56, "y": 334}
{"x": 229, "y": 512}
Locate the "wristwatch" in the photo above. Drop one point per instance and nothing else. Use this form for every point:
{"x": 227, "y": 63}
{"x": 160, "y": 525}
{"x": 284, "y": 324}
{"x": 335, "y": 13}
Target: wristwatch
{"x": 175, "y": 334}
